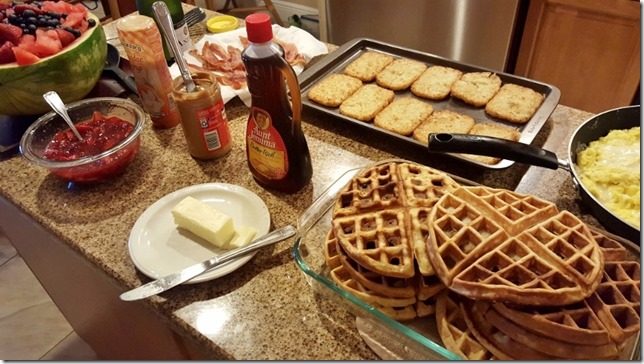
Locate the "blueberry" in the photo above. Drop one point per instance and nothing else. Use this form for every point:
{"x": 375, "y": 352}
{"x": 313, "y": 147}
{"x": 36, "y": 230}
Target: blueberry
{"x": 54, "y": 15}
{"x": 32, "y": 20}
{"x": 32, "y": 27}
{"x": 91, "y": 22}
{"x": 28, "y": 13}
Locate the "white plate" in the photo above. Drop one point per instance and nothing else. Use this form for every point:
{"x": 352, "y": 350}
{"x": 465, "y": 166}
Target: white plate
{"x": 158, "y": 247}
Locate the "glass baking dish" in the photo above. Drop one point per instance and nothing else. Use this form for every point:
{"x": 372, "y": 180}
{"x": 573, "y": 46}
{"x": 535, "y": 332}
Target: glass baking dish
{"x": 417, "y": 339}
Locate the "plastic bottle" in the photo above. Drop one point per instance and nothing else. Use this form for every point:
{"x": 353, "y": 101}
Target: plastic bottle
{"x": 276, "y": 149}
{"x": 141, "y": 39}
{"x": 178, "y": 22}
{"x": 203, "y": 116}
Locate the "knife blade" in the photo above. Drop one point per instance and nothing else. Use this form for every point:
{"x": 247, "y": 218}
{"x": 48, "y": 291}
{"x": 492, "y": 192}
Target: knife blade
{"x": 172, "y": 280}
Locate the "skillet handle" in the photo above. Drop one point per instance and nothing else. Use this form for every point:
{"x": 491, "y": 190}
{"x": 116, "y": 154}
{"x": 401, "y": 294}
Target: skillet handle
{"x": 494, "y": 147}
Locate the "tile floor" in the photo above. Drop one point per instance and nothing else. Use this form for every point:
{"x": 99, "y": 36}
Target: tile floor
{"x": 31, "y": 326}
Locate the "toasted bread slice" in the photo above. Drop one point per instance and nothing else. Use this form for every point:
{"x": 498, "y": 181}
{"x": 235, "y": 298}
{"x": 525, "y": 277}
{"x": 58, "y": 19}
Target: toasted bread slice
{"x": 436, "y": 82}
{"x": 403, "y": 115}
{"x": 365, "y": 103}
{"x": 443, "y": 121}
{"x": 476, "y": 88}
{"x": 514, "y": 103}
{"x": 367, "y": 65}
{"x": 496, "y": 131}
{"x": 334, "y": 89}
{"x": 400, "y": 74}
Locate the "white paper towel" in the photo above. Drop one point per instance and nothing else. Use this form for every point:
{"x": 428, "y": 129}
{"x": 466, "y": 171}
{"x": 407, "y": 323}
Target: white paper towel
{"x": 306, "y": 44}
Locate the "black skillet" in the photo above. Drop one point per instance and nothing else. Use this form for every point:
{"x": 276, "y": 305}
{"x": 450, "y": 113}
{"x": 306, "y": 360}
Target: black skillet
{"x": 591, "y": 130}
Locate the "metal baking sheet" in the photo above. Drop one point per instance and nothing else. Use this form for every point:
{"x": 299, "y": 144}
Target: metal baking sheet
{"x": 336, "y": 61}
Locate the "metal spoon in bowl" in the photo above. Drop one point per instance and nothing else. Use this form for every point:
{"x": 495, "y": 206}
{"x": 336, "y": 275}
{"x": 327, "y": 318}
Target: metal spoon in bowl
{"x": 59, "y": 107}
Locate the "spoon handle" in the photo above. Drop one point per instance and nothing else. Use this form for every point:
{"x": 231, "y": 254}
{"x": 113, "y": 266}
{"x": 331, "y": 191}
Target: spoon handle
{"x": 127, "y": 79}
{"x": 57, "y": 104}
{"x": 163, "y": 17}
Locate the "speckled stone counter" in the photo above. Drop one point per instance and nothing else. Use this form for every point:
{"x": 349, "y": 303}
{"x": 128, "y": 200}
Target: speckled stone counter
{"x": 265, "y": 309}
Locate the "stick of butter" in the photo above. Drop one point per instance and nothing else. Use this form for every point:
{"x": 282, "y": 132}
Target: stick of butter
{"x": 204, "y": 221}
{"x": 243, "y": 236}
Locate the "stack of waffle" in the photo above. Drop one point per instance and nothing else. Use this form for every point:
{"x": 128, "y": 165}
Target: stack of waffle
{"x": 376, "y": 248}
{"x": 508, "y": 275}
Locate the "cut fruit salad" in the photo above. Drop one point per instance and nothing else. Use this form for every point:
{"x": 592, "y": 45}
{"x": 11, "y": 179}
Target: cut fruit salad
{"x": 33, "y": 30}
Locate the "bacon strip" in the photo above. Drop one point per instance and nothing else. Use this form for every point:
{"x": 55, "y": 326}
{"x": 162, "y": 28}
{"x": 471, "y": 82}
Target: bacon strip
{"x": 227, "y": 65}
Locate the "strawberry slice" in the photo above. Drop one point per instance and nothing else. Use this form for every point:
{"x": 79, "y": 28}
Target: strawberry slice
{"x": 6, "y": 54}
{"x": 24, "y": 57}
{"x": 11, "y": 33}
{"x": 65, "y": 36}
{"x": 20, "y": 8}
{"x": 4, "y": 5}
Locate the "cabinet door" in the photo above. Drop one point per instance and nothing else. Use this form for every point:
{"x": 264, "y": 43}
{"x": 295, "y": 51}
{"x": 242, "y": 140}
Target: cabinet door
{"x": 589, "y": 49}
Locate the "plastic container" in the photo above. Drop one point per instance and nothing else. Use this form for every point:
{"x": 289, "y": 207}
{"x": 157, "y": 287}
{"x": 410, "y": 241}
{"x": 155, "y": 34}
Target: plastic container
{"x": 276, "y": 149}
{"x": 203, "y": 116}
{"x": 223, "y": 23}
{"x": 141, "y": 39}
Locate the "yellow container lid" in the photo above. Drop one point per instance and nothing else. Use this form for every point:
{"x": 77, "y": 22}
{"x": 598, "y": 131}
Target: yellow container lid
{"x": 222, "y": 23}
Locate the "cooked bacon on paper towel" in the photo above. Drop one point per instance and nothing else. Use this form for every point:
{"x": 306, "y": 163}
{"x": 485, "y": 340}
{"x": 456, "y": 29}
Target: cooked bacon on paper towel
{"x": 227, "y": 65}
{"x": 292, "y": 56}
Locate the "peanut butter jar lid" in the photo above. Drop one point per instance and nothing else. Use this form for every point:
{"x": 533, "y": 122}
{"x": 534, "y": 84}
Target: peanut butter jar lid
{"x": 222, "y": 23}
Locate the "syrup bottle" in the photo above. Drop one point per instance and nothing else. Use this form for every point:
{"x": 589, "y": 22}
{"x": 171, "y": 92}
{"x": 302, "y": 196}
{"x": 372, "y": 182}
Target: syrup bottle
{"x": 276, "y": 150}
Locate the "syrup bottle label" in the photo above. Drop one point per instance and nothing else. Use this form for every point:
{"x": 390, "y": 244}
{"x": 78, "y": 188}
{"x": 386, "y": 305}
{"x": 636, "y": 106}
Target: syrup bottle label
{"x": 266, "y": 150}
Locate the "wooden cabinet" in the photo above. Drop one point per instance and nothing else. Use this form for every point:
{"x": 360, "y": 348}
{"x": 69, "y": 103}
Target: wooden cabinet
{"x": 589, "y": 49}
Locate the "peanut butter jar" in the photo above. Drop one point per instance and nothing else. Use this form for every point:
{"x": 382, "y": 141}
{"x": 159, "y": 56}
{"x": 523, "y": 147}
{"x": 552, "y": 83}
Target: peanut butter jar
{"x": 203, "y": 116}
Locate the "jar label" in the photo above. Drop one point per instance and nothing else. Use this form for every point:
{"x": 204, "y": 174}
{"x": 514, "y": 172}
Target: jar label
{"x": 266, "y": 150}
{"x": 214, "y": 126}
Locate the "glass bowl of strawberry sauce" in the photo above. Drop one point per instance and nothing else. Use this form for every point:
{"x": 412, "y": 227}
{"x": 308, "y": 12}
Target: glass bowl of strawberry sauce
{"x": 110, "y": 128}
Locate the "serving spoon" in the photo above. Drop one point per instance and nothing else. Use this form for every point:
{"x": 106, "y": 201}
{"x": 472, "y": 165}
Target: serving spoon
{"x": 57, "y": 104}
{"x": 112, "y": 64}
{"x": 162, "y": 14}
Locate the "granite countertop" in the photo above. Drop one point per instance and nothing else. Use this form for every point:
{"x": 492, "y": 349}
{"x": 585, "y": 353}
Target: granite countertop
{"x": 265, "y": 309}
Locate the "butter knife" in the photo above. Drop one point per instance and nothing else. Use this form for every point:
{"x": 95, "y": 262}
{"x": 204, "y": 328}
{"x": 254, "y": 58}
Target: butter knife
{"x": 165, "y": 283}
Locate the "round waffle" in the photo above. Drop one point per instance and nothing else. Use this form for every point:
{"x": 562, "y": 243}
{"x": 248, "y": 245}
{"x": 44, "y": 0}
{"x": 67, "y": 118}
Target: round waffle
{"x": 453, "y": 330}
{"x": 401, "y": 299}
{"x": 499, "y": 245}
{"x": 575, "y": 331}
{"x": 380, "y": 217}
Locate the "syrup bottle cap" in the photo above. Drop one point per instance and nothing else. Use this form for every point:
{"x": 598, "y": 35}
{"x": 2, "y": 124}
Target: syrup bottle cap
{"x": 258, "y": 27}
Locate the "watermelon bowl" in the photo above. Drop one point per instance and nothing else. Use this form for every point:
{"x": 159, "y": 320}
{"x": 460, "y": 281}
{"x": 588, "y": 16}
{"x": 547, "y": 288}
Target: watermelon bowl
{"x": 72, "y": 71}
{"x": 106, "y": 150}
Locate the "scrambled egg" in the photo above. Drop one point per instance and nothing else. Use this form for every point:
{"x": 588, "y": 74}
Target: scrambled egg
{"x": 610, "y": 169}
